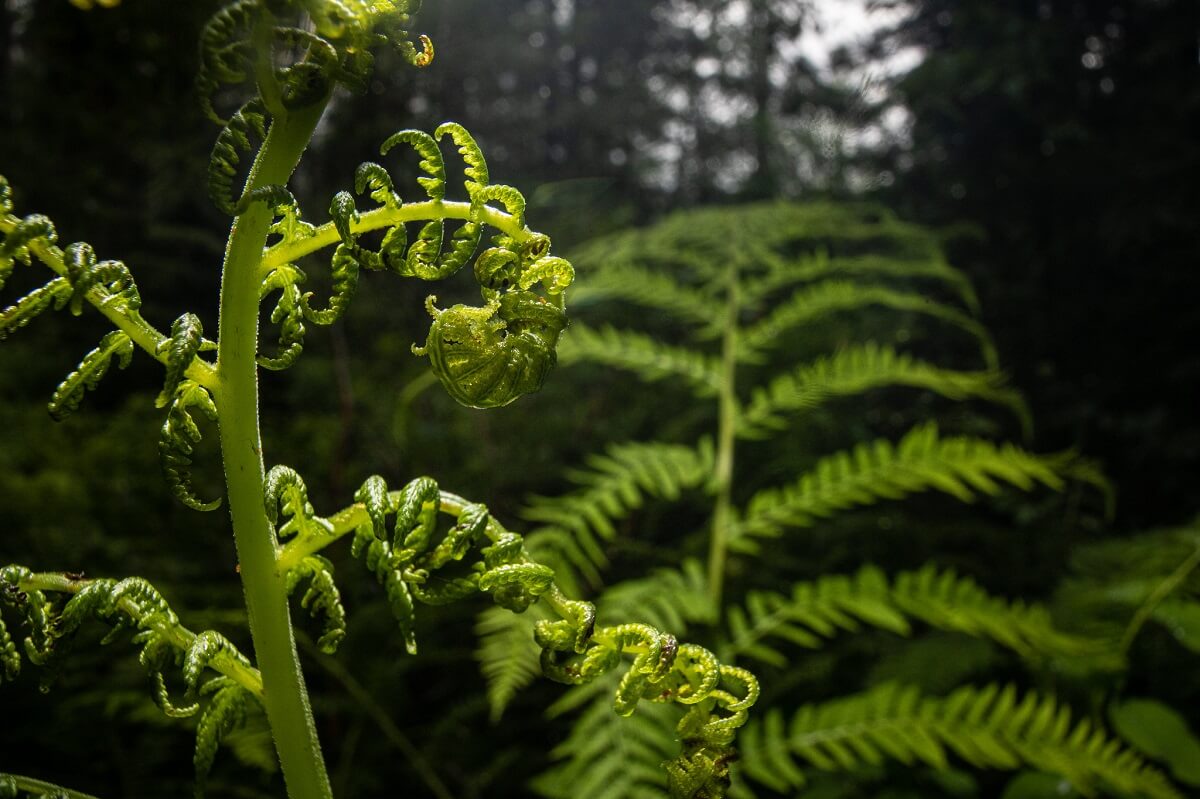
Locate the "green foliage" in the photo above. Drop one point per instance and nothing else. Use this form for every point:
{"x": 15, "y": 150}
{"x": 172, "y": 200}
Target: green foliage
{"x": 989, "y": 727}
{"x": 857, "y": 369}
{"x": 69, "y": 394}
{"x": 572, "y": 527}
{"x": 818, "y": 610}
{"x": 921, "y": 461}
{"x": 1159, "y": 732}
{"x": 416, "y": 562}
{"x": 776, "y": 284}
{"x": 293, "y": 54}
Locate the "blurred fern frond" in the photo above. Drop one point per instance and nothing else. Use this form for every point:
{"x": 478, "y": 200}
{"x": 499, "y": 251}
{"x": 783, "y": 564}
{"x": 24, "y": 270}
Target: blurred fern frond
{"x": 861, "y": 368}
{"x": 960, "y": 466}
{"x": 989, "y": 727}
{"x": 817, "y": 610}
{"x": 573, "y": 526}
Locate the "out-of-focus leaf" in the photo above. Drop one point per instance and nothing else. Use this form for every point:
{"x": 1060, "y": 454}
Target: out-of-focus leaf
{"x": 1160, "y": 732}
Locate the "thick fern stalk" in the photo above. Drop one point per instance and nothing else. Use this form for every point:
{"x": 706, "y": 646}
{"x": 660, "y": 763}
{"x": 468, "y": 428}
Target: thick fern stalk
{"x": 990, "y": 727}
{"x": 286, "y": 698}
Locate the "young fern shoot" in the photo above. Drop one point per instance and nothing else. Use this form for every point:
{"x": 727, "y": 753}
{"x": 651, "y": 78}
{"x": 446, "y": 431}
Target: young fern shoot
{"x": 293, "y": 54}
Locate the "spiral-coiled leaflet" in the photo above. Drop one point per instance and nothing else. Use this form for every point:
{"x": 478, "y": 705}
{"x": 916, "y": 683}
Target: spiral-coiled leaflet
{"x": 485, "y": 356}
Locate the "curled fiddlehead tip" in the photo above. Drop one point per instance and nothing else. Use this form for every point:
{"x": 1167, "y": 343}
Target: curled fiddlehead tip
{"x": 488, "y": 357}
{"x": 178, "y": 438}
{"x": 424, "y": 56}
{"x": 285, "y": 495}
{"x": 296, "y": 51}
{"x": 186, "y": 340}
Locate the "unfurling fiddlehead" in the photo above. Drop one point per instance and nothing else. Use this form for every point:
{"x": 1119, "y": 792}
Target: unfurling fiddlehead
{"x": 418, "y": 562}
{"x": 53, "y": 606}
{"x": 485, "y": 356}
{"x": 335, "y": 38}
{"x": 108, "y": 286}
{"x": 179, "y": 437}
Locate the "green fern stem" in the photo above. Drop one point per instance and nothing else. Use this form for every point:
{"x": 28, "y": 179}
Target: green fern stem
{"x": 386, "y": 217}
{"x": 140, "y": 332}
{"x": 349, "y": 519}
{"x": 41, "y": 787}
{"x": 726, "y": 431}
{"x": 179, "y": 636}
{"x": 236, "y": 397}
{"x": 1156, "y": 597}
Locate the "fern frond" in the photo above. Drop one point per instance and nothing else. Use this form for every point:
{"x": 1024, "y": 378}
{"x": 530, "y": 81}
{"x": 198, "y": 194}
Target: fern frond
{"x": 187, "y": 339}
{"x": 783, "y": 272}
{"x": 648, "y": 288}
{"x": 224, "y": 712}
{"x": 121, "y": 605}
{"x": 178, "y": 438}
{"x": 204, "y": 649}
{"x": 321, "y": 598}
{"x": 90, "y": 372}
{"x": 15, "y": 246}
{"x": 614, "y": 485}
{"x": 232, "y": 142}
{"x": 35, "y": 610}
{"x": 989, "y": 727}
{"x": 669, "y": 599}
{"x": 608, "y": 757}
{"x": 84, "y": 274}
{"x": 512, "y": 200}
{"x": 553, "y": 273}
{"x": 640, "y": 354}
{"x": 810, "y": 304}
{"x": 10, "y": 658}
{"x": 1118, "y": 585}
{"x": 861, "y": 368}
{"x": 431, "y": 163}
{"x": 490, "y": 356}
{"x": 223, "y": 50}
{"x": 345, "y": 264}
{"x": 285, "y": 495}
{"x": 288, "y": 313}
{"x": 507, "y": 654}
{"x": 55, "y": 293}
{"x": 815, "y": 611}
{"x": 373, "y": 178}
{"x": 960, "y": 466}
{"x": 476, "y": 172}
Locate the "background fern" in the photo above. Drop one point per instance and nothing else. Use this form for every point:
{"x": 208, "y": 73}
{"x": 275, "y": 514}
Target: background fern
{"x": 1100, "y": 347}
{"x": 789, "y": 280}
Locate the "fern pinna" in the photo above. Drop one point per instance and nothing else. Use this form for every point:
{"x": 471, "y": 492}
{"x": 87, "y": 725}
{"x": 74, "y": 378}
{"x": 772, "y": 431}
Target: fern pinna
{"x": 288, "y": 57}
{"x": 744, "y": 304}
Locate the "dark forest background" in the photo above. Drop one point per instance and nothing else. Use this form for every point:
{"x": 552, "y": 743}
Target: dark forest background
{"x": 1054, "y": 144}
